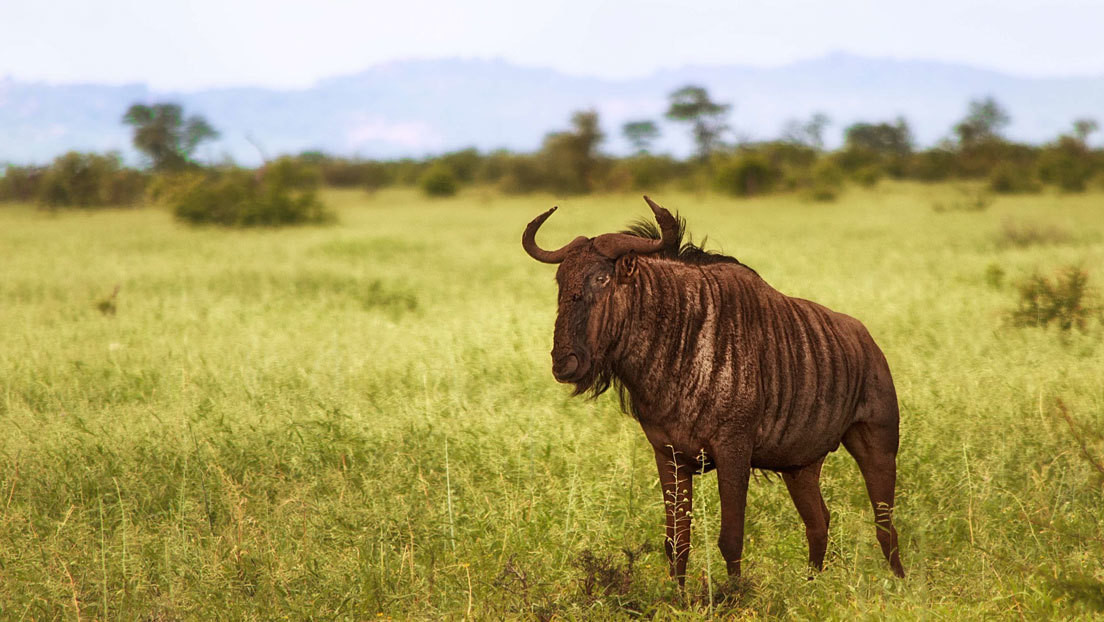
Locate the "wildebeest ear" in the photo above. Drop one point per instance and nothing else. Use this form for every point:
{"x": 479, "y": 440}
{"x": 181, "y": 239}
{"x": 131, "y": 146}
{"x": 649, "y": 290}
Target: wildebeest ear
{"x": 625, "y": 267}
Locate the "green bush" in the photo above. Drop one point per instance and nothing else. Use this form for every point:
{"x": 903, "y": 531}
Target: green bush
{"x": 746, "y": 174}
{"x": 439, "y": 181}
{"x": 868, "y": 176}
{"x": 125, "y": 187}
{"x": 89, "y": 180}
{"x": 464, "y": 164}
{"x": 521, "y": 174}
{"x": 827, "y": 180}
{"x": 170, "y": 188}
{"x": 1066, "y": 164}
{"x": 1065, "y": 300}
{"x": 1010, "y": 178}
{"x": 277, "y": 195}
{"x": 935, "y": 164}
{"x": 287, "y": 172}
{"x": 343, "y": 173}
{"x": 643, "y": 172}
{"x": 21, "y": 183}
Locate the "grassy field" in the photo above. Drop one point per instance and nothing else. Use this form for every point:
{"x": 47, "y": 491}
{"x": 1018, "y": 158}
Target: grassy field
{"x": 359, "y": 421}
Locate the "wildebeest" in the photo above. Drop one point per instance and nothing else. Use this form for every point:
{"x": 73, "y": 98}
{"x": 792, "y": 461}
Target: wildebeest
{"x": 723, "y": 371}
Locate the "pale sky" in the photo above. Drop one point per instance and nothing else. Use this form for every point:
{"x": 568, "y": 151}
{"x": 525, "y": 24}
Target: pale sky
{"x": 277, "y": 43}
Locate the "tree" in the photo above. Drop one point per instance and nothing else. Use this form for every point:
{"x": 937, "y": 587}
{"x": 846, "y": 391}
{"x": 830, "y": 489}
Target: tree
{"x": 165, "y": 136}
{"x": 691, "y": 104}
{"x": 571, "y": 157}
{"x": 640, "y": 134}
{"x": 809, "y": 133}
{"x": 984, "y": 122}
{"x": 885, "y": 139}
{"x": 1083, "y": 127}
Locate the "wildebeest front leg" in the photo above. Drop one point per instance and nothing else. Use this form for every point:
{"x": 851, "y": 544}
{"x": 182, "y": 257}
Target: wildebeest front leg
{"x": 676, "y": 479}
{"x": 804, "y": 487}
{"x": 733, "y": 472}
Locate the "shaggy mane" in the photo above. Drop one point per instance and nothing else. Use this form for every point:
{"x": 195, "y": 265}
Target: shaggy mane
{"x": 686, "y": 250}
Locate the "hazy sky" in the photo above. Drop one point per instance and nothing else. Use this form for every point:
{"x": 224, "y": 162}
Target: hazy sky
{"x": 201, "y": 43}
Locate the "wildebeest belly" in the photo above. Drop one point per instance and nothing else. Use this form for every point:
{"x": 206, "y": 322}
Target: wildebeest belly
{"x": 811, "y": 377}
{"x": 794, "y": 448}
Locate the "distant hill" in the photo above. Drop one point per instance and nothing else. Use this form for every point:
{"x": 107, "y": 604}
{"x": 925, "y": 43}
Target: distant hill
{"x": 415, "y": 108}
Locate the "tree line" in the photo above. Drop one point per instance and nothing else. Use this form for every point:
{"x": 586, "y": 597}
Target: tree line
{"x": 571, "y": 161}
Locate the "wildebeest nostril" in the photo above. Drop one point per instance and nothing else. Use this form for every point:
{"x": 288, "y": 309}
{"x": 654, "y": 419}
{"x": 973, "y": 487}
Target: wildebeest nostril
{"x": 563, "y": 368}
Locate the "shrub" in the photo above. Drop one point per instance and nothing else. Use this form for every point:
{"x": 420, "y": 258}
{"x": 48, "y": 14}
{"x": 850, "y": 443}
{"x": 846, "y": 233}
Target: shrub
{"x": 933, "y": 165}
{"x": 1065, "y": 300}
{"x": 826, "y": 182}
{"x": 170, "y": 188}
{"x": 463, "y": 164}
{"x": 439, "y": 181}
{"x": 125, "y": 187}
{"x": 407, "y": 171}
{"x": 1030, "y": 234}
{"x": 21, "y": 183}
{"x": 650, "y": 171}
{"x": 343, "y": 173}
{"x": 287, "y": 172}
{"x": 89, "y": 180}
{"x": 746, "y": 174}
{"x": 1009, "y": 178}
{"x": 272, "y": 197}
{"x": 868, "y": 176}
{"x": 1066, "y": 164}
{"x": 979, "y": 159}
{"x": 521, "y": 174}
{"x": 641, "y": 172}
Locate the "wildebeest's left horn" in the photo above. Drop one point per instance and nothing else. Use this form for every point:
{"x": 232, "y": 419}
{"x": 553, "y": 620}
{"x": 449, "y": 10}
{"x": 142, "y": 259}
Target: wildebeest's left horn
{"x": 667, "y": 223}
{"x": 614, "y": 245}
{"x": 529, "y": 242}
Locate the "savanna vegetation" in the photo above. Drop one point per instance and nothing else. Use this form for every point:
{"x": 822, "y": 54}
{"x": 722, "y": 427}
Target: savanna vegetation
{"x": 570, "y": 162}
{"x": 359, "y": 421}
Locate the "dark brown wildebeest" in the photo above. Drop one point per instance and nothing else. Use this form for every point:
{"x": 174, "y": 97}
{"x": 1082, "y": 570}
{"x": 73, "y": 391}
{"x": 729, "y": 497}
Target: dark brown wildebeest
{"x": 723, "y": 371}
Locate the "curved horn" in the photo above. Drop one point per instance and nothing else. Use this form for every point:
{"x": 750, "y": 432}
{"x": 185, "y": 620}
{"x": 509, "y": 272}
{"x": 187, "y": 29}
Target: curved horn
{"x": 529, "y": 242}
{"x": 613, "y": 245}
{"x": 667, "y": 224}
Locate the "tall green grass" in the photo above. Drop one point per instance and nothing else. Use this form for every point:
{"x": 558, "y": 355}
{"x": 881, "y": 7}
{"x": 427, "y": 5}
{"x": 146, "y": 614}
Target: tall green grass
{"x": 359, "y": 420}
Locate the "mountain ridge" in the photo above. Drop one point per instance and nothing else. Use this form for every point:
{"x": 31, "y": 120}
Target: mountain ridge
{"x": 419, "y": 107}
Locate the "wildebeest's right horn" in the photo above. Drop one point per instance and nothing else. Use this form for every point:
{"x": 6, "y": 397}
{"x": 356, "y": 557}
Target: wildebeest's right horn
{"x": 529, "y": 242}
{"x": 667, "y": 223}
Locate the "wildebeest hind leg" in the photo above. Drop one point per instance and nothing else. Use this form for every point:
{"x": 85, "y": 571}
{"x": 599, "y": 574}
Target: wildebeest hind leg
{"x": 804, "y": 487}
{"x": 874, "y": 447}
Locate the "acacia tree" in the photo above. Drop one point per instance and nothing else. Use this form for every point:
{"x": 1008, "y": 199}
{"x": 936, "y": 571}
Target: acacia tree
{"x": 1083, "y": 127}
{"x": 571, "y": 157}
{"x": 886, "y": 139}
{"x": 165, "y": 136}
{"x": 984, "y": 122}
{"x": 640, "y": 134}
{"x": 691, "y": 104}
{"x": 809, "y": 133}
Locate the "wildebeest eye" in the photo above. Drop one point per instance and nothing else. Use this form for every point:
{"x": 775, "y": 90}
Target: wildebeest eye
{"x": 601, "y": 279}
